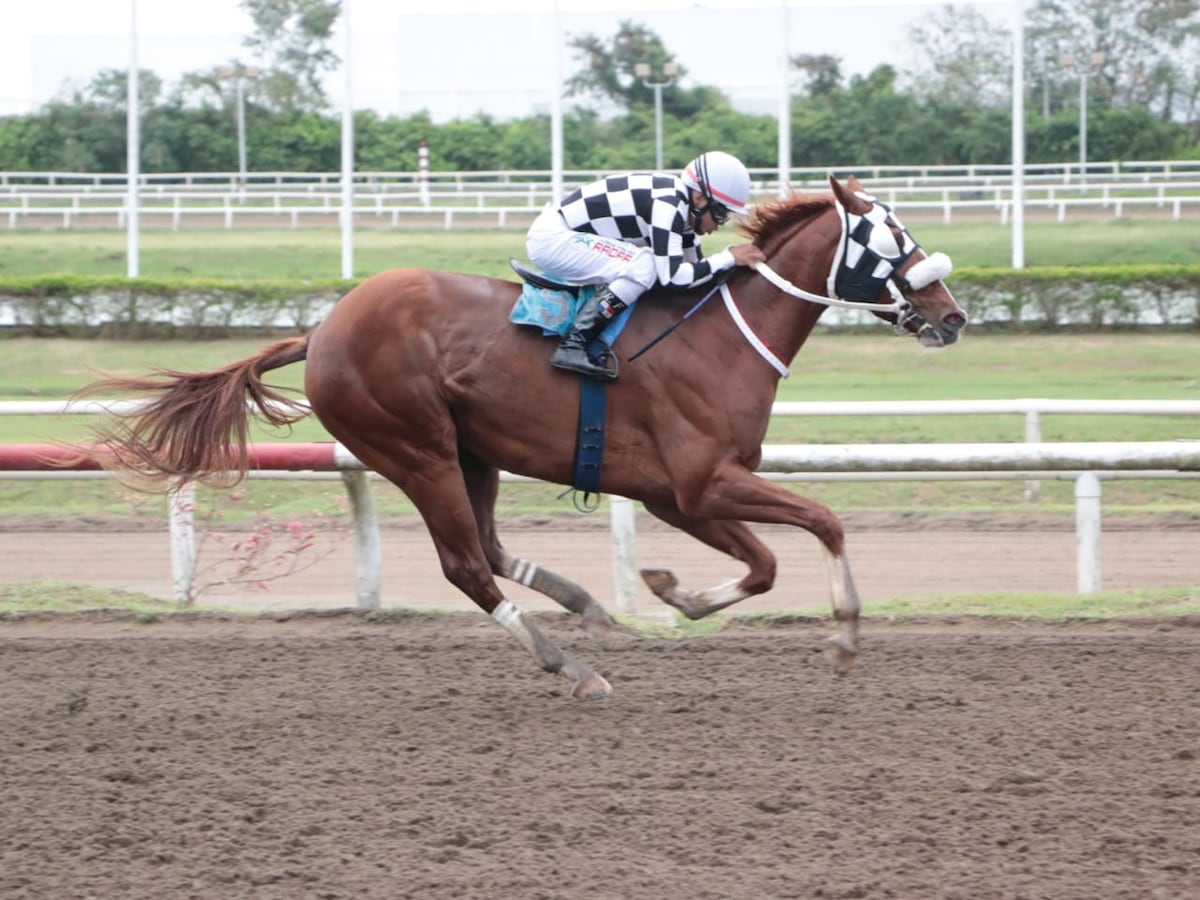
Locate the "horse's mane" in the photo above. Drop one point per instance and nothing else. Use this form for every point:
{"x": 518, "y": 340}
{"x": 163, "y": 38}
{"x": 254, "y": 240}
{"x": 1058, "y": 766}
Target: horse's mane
{"x": 776, "y": 216}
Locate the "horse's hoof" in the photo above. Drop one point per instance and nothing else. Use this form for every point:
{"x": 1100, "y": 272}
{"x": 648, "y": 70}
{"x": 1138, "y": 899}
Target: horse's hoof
{"x": 660, "y": 581}
{"x": 842, "y": 653}
{"x": 592, "y": 687}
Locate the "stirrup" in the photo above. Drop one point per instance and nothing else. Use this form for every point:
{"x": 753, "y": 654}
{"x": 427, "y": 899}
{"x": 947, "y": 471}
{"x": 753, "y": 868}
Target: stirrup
{"x": 579, "y": 361}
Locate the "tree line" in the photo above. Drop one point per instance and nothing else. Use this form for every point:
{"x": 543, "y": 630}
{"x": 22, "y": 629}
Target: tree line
{"x": 1141, "y": 59}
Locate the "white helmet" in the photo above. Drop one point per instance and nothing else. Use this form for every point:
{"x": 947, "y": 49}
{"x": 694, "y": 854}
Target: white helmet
{"x": 720, "y": 177}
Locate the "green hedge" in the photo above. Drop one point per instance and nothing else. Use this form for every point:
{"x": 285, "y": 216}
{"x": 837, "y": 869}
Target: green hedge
{"x": 146, "y": 307}
{"x": 1043, "y": 299}
{"x": 1093, "y": 296}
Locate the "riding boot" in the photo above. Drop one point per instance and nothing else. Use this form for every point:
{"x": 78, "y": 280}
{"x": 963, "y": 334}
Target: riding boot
{"x": 588, "y": 323}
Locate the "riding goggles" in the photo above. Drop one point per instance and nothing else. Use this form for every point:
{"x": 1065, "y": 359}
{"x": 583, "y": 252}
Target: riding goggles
{"x": 719, "y": 213}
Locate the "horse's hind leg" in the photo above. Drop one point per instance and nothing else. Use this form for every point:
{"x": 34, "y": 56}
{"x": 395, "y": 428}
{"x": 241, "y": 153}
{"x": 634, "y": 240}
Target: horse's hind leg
{"x": 433, "y": 480}
{"x": 483, "y": 485}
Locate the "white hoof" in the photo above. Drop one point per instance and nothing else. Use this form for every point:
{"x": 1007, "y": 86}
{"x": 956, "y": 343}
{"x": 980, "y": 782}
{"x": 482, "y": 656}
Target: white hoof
{"x": 842, "y": 653}
{"x": 592, "y": 687}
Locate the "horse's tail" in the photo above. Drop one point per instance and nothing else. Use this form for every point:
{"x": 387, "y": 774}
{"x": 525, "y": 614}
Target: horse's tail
{"x": 194, "y": 426}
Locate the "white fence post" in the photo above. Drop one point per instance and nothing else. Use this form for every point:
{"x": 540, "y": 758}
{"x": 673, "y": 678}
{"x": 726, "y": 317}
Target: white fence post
{"x": 1087, "y": 532}
{"x": 181, "y": 507}
{"x": 368, "y": 554}
{"x": 623, "y": 538}
{"x": 1033, "y": 435}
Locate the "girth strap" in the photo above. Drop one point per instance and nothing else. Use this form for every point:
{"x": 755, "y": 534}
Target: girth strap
{"x": 589, "y": 441}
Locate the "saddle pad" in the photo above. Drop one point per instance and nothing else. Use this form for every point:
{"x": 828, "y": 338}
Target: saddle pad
{"x": 553, "y": 311}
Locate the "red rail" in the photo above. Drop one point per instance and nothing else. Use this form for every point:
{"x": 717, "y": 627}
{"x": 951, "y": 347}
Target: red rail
{"x": 313, "y": 457}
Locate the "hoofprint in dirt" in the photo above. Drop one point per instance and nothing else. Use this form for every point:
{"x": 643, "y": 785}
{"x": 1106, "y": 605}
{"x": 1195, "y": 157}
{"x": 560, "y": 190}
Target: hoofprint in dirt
{"x": 410, "y": 756}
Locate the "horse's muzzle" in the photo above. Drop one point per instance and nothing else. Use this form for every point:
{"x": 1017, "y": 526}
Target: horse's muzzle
{"x": 944, "y": 332}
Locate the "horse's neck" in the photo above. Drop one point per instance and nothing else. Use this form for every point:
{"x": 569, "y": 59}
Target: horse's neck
{"x": 803, "y": 257}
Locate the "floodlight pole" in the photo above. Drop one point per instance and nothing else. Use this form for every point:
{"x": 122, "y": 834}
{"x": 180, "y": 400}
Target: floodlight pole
{"x": 239, "y": 73}
{"x": 133, "y": 139}
{"x": 643, "y": 73}
{"x": 1085, "y": 68}
{"x": 347, "y": 213}
{"x": 241, "y": 132}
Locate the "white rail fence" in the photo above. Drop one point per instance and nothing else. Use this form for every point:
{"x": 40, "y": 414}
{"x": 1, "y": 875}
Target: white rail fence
{"x": 1086, "y": 463}
{"x": 510, "y": 199}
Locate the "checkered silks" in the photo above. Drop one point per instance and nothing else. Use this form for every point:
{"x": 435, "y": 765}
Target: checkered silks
{"x": 647, "y": 210}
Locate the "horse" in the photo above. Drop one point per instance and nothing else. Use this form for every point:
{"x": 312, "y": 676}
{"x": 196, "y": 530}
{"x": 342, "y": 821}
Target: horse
{"x": 420, "y": 374}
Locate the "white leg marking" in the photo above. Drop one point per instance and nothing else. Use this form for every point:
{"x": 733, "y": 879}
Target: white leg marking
{"x": 524, "y": 572}
{"x": 506, "y": 614}
{"x": 837, "y": 578}
{"x": 725, "y": 594}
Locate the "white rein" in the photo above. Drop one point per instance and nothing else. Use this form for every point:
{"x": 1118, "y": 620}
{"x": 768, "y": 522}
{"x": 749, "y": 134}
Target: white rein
{"x": 925, "y": 272}
{"x": 898, "y": 305}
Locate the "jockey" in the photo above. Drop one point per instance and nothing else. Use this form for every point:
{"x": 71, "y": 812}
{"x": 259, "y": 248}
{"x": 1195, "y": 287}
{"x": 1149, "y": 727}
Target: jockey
{"x": 632, "y": 232}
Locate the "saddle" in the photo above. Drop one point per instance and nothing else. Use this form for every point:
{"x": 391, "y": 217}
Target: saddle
{"x": 540, "y": 279}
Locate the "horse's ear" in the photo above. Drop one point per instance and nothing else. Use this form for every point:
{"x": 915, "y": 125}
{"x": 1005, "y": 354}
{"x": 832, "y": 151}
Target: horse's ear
{"x": 846, "y": 194}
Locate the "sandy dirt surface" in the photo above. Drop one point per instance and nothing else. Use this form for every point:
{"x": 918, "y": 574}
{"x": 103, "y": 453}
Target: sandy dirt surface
{"x": 328, "y": 755}
{"x": 893, "y": 555}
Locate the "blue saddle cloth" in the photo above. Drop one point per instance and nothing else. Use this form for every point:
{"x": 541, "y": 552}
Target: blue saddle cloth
{"x": 553, "y": 311}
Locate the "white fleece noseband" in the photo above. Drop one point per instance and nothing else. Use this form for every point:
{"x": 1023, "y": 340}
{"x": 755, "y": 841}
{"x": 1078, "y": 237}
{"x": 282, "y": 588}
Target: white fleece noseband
{"x": 934, "y": 267}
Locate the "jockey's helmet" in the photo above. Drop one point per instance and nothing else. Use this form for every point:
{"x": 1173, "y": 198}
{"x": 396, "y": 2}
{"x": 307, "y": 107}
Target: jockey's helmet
{"x": 721, "y": 178}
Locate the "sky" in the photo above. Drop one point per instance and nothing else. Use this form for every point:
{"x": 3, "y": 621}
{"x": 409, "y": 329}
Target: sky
{"x": 468, "y": 55}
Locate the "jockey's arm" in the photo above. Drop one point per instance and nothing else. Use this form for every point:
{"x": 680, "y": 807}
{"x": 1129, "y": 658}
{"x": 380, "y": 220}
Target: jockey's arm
{"x": 671, "y": 259}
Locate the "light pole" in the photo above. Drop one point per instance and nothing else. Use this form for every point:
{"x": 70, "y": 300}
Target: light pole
{"x": 644, "y": 73}
{"x": 239, "y": 74}
{"x": 1086, "y": 67}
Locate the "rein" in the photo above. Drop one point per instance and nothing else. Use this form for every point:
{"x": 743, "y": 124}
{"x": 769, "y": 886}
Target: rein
{"x": 899, "y": 305}
{"x": 932, "y": 268}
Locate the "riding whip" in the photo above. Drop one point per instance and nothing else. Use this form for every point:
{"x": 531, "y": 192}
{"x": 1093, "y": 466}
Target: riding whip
{"x": 721, "y": 279}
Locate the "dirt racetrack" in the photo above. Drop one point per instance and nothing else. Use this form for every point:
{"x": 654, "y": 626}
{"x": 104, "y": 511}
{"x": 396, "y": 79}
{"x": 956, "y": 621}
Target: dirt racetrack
{"x": 332, "y": 754}
{"x": 422, "y": 756}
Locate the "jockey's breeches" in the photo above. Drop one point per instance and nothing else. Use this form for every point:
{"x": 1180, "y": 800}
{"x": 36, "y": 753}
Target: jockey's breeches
{"x": 583, "y": 258}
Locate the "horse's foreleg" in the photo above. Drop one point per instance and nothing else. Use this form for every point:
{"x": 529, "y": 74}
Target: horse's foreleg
{"x": 586, "y": 684}
{"x": 695, "y": 604}
{"x": 483, "y": 484}
{"x": 729, "y": 537}
{"x": 843, "y": 646}
{"x": 734, "y": 492}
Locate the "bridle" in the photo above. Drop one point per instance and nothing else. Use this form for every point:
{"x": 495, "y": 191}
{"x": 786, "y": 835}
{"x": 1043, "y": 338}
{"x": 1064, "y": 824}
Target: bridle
{"x": 862, "y": 268}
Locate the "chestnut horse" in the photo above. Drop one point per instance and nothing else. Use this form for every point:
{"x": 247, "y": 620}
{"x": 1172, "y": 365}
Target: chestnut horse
{"x": 422, "y": 377}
